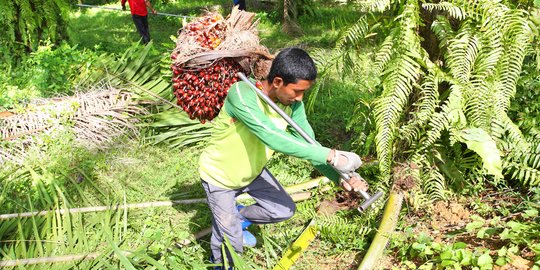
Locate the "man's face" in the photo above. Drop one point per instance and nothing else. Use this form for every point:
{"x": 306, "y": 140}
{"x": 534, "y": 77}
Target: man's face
{"x": 292, "y": 92}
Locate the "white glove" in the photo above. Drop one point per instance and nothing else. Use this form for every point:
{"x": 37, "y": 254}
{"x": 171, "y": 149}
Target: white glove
{"x": 345, "y": 162}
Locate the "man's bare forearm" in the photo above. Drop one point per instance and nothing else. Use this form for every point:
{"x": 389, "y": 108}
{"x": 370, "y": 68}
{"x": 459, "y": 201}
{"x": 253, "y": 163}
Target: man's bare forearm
{"x": 150, "y": 6}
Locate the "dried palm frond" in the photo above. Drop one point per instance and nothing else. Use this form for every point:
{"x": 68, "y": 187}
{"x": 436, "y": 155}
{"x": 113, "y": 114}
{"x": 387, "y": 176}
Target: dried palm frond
{"x": 241, "y": 20}
{"x": 95, "y": 118}
{"x": 13, "y": 152}
{"x": 105, "y": 114}
{"x": 240, "y": 40}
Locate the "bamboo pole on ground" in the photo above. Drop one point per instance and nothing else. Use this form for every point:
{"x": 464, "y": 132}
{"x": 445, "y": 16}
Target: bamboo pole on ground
{"x": 386, "y": 229}
{"x": 291, "y": 189}
{"x": 55, "y": 259}
{"x": 91, "y": 256}
{"x": 103, "y": 208}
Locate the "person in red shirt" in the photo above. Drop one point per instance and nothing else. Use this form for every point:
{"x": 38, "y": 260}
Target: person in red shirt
{"x": 139, "y": 14}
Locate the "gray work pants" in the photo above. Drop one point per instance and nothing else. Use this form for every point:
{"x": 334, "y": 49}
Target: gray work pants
{"x": 272, "y": 205}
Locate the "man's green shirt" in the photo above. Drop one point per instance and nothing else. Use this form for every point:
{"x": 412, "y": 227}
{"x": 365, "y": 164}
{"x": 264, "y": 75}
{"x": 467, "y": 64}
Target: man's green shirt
{"x": 246, "y": 133}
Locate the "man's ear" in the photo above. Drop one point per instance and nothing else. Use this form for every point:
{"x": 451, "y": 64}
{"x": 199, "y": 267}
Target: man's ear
{"x": 277, "y": 82}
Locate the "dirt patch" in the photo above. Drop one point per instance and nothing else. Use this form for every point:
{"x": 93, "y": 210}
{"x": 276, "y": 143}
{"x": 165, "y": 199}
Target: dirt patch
{"x": 316, "y": 257}
{"x": 349, "y": 199}
{"x": 444, "y": 217}
{"x": 344, "y": 200}
{"x": 517, "y": 263}
{"x": 448, "y": 215}
{"x": 329, "y": 208}
{"x": 403, "y": 176}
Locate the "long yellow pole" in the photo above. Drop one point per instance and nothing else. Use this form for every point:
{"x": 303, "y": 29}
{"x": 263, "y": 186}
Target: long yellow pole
{"x": 297, "y": 247}
{"x": 386, "y": 229}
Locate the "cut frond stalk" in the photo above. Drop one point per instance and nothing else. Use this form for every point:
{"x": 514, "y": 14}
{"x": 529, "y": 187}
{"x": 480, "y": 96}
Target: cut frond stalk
{"x": 384, "y": 233}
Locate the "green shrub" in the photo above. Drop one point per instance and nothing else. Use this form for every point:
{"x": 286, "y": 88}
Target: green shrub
{"x": 49, "y": 71}
{"x": 525, "y": 108}
{"x": 55, "y": 162}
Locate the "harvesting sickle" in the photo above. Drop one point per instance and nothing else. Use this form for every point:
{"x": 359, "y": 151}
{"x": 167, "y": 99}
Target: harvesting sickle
{"x": 368, "y": 199}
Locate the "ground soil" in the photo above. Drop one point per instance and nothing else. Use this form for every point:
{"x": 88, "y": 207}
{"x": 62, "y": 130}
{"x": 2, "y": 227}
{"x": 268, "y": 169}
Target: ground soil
{"x": 444, "y": 222}
{"x": 344, "y": 200}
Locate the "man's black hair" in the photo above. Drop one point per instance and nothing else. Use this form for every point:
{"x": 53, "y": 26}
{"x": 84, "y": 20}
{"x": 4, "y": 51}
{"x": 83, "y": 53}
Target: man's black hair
{"x": 292, "y": 64}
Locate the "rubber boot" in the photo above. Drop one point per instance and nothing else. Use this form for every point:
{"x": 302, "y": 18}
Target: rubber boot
{"x": 249, "y": 239}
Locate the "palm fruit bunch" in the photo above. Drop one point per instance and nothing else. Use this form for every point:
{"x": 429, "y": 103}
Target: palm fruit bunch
{"x": 208, "y": 30}
{"x": 209, "y": 52}
{"x": 201, "y": 92}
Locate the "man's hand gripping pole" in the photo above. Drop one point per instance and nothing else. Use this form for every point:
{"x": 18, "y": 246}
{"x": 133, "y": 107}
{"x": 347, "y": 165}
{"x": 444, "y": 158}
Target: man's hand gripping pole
{"x": 368, "y": 200}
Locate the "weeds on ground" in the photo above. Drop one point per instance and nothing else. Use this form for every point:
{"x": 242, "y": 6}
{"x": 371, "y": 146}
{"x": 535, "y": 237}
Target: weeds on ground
{"x": 49, "y": 71}
{"x": 500, "y": 232}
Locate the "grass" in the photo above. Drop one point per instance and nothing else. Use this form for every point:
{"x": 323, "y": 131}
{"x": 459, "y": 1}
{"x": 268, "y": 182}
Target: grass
{"x": 112, "y": 31}
{"x": 132, "y": 171}
{"x": 137, "y": 169}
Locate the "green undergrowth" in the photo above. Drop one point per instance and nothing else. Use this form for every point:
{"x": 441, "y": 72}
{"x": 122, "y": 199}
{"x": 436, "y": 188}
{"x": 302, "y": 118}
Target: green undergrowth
{"x": 68, "y": 176}
{"x": 51, "y": 70}
{"x": 114, "y": 30}
{"x": 493, "y": 230}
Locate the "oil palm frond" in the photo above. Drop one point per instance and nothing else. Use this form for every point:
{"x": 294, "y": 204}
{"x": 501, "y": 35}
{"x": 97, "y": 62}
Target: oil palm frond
{"x": 373, "y": 5}
{"x": 482, "y": 47}
{"x": 95, "y": 117}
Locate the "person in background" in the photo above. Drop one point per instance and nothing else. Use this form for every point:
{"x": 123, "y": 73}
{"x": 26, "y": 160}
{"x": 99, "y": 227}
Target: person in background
{"x": 245, "y": 134}
{"x": 139, "y": 13}
{"x": 241, "y": 4}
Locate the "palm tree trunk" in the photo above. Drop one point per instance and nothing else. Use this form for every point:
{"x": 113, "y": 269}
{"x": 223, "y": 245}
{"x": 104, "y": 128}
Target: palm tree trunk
{"x": 290, "y": 20}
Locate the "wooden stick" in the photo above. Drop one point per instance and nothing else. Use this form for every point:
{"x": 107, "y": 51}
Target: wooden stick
{"x": 56, "y": 259}
{"x": 103, "y": 208}
{"x": 303, "y": 186}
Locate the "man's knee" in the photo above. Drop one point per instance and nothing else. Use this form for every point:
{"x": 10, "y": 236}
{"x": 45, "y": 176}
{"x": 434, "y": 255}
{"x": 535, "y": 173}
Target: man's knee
{"x": 285, "y": 212}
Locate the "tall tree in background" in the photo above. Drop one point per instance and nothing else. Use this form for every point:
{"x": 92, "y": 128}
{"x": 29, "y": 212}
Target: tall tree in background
{"x": 290, "y": 18}
{"x": 25, "y": 23}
